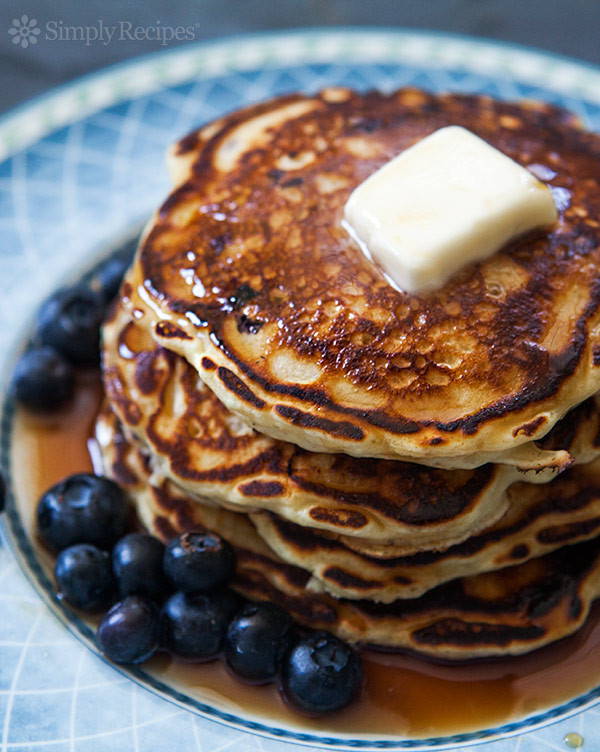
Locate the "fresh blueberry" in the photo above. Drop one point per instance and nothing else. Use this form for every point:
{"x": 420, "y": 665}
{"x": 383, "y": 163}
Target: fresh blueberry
{"x": 321, "y": 674}
{"x": 70, "y": 322}
{"x": 43, "y": 379}
{"x": 198, "y": 561}
{"x": 256, "y": 641}
{"x": 194, "y": 625}
{"x": 137, "y": 566}
{"x": 130, "y": 631}
{"x": 110, "y": 276}
{"x": 82, "y": 508}
{"x": 83, "y": 576}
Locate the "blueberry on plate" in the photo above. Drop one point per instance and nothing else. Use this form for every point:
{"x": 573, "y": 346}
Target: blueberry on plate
{"x": 83, "y": 576}
{"x": 82, "y": 508}
{"x": 43, "y": 379}
{"x": 70, "y": 322}
{"x": 321, "y": 674}
{"x": 110, "y": 276}
{"x": 198, "y": 561}
{"x": 194, "y": 625}
{"x": 256, "y": 641}
{"x": 130, "y": 631}
{"x": 137, "y": 566}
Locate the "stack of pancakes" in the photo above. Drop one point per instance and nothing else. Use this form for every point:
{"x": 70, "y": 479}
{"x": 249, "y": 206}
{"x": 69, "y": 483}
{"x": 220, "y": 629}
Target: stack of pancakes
{"x": 411, "y": 471}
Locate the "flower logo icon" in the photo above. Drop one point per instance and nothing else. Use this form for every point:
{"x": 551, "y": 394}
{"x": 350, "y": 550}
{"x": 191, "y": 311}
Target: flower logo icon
{"x": 24, "y": 31}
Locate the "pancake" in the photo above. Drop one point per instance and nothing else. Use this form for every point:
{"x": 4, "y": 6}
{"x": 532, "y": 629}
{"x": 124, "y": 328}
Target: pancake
{"x": 513, "y": 611}
{"x": 197, "y": 443}
{"x": 539, "y": 519}
{"x": 247, "y": 272}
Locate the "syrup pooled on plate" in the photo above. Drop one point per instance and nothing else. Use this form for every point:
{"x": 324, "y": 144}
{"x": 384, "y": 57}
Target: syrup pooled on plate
{"x": 403, "y": 696}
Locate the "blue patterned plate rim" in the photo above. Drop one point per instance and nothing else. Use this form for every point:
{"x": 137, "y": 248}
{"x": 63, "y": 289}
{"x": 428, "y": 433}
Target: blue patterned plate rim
{"x": 94, "y": 91}
{"x": 123, "y": 81}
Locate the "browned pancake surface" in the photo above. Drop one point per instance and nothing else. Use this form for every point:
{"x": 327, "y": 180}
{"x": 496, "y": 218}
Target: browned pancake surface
{"x": 294, "y": 328}
{"x": 208, "y": 451}
{"x": 539, "y": 520}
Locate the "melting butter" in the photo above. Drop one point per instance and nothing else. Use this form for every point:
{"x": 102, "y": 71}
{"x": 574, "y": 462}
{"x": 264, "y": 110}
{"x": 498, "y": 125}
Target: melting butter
{"x": 447, "y": 201}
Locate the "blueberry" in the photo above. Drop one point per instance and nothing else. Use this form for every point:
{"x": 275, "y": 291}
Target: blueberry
{"x": 198, "y": 561}
{"x": 194, "y": 625}
{"x": 321, "y": 674}
{"x": 43, "y": 379}
{"x": 82, "y": 508}
{"x": 137, "y": 566}
{"x": 130, "y": 631}
{"x": 83, "y": 576}
{"x": 70, "y": 322}
{"x": 256, "y": 641}
{"x": 110, "y": 276}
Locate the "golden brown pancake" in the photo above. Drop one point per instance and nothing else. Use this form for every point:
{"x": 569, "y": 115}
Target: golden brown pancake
{"x": 513, "y": 611}
{"x": 247, "y": 272}
{"x": 539, "y": 519}
{"x": 196, "y": 442}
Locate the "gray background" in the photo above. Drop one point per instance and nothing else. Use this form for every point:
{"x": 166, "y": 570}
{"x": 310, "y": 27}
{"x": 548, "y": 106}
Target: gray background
{"x": 570, "y": 27}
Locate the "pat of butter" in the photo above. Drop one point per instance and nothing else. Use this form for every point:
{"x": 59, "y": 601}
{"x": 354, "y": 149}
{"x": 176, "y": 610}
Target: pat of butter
{"x": 449, "y": 200}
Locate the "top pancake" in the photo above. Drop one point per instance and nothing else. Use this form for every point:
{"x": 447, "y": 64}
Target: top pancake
{"x": 247, "y": 272}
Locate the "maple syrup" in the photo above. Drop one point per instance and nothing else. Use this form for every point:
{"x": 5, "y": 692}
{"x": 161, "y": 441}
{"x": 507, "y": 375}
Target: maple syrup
{"x": 403, "y": 696}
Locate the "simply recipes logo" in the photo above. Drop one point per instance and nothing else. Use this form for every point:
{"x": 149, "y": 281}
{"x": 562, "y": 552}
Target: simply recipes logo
{"x": 25, "y": 31}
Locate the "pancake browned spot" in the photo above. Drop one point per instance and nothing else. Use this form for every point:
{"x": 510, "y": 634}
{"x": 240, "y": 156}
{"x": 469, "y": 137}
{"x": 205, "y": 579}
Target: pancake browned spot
{"x": 167, "y": 330}
{"x": 237, "y": 386}
{"x": 342, "y": 519}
